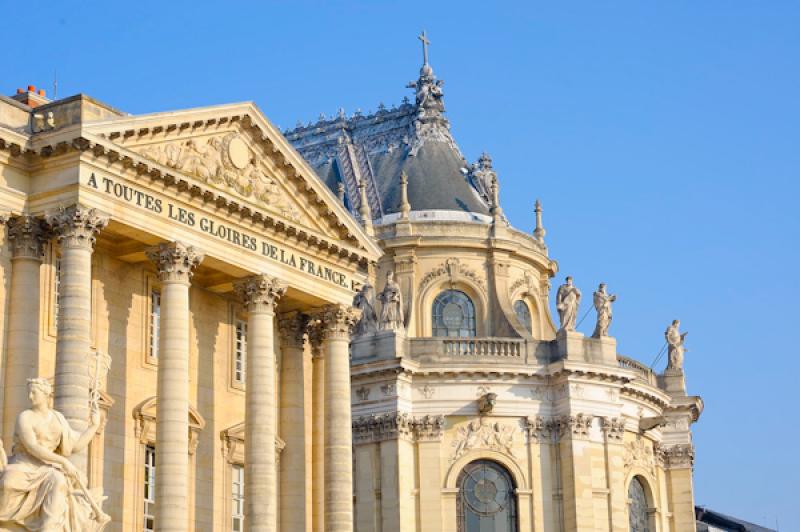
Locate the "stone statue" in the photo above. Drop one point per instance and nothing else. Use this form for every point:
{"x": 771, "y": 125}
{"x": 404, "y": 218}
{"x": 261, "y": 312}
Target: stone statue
{"x": 675, "y": 341}
{"x": 568, "y": 298}
{"x": 391, "y": 299}
{"x": 602, "y": 303}
{"x": 364, "y": 300}
{"x": 40, "y": 489}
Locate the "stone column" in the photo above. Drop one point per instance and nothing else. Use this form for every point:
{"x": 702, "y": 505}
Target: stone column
{"x": 26, "y": 235}
{"x": 75, "y": 228}
{"x": 295, "y": 478}
{"x": 175, "y": 263}
{"x": 260, "y": 294}
{"x": 317, "y": 427}
{"x": 337, "y": 321}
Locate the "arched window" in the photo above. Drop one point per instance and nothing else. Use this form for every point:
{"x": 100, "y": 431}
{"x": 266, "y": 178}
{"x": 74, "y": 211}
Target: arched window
{"x": 453, "y": 314}
{"x": 486, "y": 499}
{"x": 523, "y": 313}
{"x": 638, "y": 515}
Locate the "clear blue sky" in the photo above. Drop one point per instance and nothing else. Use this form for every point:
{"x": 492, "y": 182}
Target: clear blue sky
{"x": 662, "y": 138}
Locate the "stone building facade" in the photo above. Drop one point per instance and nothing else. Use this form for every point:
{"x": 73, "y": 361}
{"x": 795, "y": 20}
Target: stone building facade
{"x": 199, "y": 276}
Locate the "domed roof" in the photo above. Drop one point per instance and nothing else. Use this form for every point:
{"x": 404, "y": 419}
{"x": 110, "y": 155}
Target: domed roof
{"x": 377, "y": 148}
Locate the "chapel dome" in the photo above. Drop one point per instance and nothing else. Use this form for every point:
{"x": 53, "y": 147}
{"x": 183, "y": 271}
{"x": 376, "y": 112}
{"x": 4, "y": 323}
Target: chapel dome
{"x": 378, "y": 148}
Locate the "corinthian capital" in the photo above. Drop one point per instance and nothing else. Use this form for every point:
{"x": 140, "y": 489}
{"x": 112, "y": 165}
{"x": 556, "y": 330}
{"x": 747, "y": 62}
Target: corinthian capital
{"x": 293, "y": 326}
{"x": 260, "y": 292}
{"x": 77, "y": 226}
{"x": 175, "y": 261}
{"x": 27, "y": 235}
{"x": 337, "y": 321}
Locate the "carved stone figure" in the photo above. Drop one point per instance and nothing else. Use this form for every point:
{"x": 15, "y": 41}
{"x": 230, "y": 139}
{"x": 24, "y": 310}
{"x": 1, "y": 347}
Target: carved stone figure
{"x": 568, "y": 298}
{"x": 391, "y": 299}
{"x": 40, "y": 489}
{"x": 364, "y": 300}
{"x": 481, "y": 434}
{"x": 675, "y": 340}
{"x": 482, "y": 176}
{"x": 602, "y": 304}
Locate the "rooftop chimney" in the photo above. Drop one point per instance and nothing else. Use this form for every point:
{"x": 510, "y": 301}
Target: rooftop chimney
{"x": 31, "y": 97}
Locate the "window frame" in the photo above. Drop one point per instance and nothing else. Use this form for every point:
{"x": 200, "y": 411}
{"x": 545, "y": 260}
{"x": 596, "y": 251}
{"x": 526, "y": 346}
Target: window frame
{"x": 472, "y": 321}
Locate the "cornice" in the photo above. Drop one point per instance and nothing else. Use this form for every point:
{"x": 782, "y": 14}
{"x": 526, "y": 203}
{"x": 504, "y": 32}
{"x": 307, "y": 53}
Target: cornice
{"x": 146, "y": 169}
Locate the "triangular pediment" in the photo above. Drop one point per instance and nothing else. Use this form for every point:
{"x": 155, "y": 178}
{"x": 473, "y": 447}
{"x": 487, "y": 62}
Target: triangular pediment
{"x": 235, "y": 150}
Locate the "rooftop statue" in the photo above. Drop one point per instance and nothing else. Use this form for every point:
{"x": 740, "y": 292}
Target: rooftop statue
{"x": 602, "y": 303}
{"x": 430, "y": 95}
{"x": 568, "y": 298}
{"x": 675, "y": 340}
{"x": 391, "y": 299}
{"x": 364, "y": 300}
{"x": 40, "y": 489}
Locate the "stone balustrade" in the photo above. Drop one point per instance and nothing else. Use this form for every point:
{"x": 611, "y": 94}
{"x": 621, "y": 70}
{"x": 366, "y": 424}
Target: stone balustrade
{"x": 643, "y": 373}
{"x": 491, "y": 347}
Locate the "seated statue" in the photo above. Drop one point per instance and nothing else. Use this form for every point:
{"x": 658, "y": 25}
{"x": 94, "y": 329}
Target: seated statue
{"x": 40, "y": 489}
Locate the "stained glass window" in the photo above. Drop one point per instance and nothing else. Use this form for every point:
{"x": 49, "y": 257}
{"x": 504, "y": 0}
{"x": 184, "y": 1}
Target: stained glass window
{"x": 638, "y": 515}
{"x": 486, "y": 501}
{"x": 453, "y": 314}
{"x": 523, "y": 313}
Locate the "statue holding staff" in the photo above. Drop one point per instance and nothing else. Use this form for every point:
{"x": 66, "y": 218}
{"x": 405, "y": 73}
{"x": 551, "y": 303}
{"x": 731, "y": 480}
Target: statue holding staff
{"x": 568, "y": 298}
{"x": 675, "y": 340}
{"x": 602, "y": 303}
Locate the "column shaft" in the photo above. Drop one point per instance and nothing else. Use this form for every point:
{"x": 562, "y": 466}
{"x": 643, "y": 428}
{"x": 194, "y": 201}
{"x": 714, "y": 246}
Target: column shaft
{"x": 295, "y": 463}
{"x": 76, "y": 228}
{"x": 260, "y": 294}
{"x": 318, "y": 442}
{"x": 25, "y": 234}
{"x": 338, "y": 320}
{"x": 175, "y": 263}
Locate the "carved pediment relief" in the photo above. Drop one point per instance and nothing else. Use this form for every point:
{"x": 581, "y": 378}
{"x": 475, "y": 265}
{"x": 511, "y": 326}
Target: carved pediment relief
{"x": 225, "y": 161}
{"x": 454, "y": 271}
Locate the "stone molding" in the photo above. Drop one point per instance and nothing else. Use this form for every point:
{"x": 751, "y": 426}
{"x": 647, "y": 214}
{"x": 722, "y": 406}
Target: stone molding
{"x": 175, "y": 261}
{"x": 397, "y": 425}
{"x": 145, "y": 428}
{"x": 454, "y": 270}
{"x": 27, "y": 235}
{"x": 77, "y": 226}
{"x": 233, "y": 441}
{"x": 528, "y": 282}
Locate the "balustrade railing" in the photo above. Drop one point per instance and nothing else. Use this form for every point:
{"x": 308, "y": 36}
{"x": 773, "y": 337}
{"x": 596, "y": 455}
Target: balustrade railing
{"x": 489, "y": 347}
{"x": 644, "y": 373}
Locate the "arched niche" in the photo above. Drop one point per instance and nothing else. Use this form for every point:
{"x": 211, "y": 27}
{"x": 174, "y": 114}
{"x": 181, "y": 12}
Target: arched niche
{"x": 640, "y": 501}
{"x": 475, "y": 292}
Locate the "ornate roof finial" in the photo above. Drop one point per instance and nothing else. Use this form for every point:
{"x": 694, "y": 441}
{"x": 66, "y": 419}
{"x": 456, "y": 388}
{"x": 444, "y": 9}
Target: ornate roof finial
{"x": 340, "y": 192}
{"x": 539, "y": 232}
{"x": 405, "y": 206}
{"x": 363, "y": 209}
{"x": 425, "y": 42}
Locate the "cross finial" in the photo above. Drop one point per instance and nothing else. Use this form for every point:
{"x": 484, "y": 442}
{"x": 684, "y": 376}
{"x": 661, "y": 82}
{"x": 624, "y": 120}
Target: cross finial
{"x": 425, "y": 42}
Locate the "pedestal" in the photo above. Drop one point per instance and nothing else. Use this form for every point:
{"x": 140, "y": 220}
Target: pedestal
{"x": 602, "y": 350}
{"x": 570, "y": 345}
{"x": 674, "y": 382}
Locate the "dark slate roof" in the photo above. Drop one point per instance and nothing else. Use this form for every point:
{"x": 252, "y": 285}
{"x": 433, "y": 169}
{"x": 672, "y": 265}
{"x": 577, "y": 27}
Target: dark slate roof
{"x": 377, "y": 148}
{"x": 706, "y": 517}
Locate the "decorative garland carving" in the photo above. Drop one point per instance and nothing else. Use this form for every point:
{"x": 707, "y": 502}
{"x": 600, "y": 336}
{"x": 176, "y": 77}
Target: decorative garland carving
{"x": 527, "y": 281}
{"x": 640, "y": 453}
{"x": 453, "y": 269}
{"x": 226, "y": 162}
